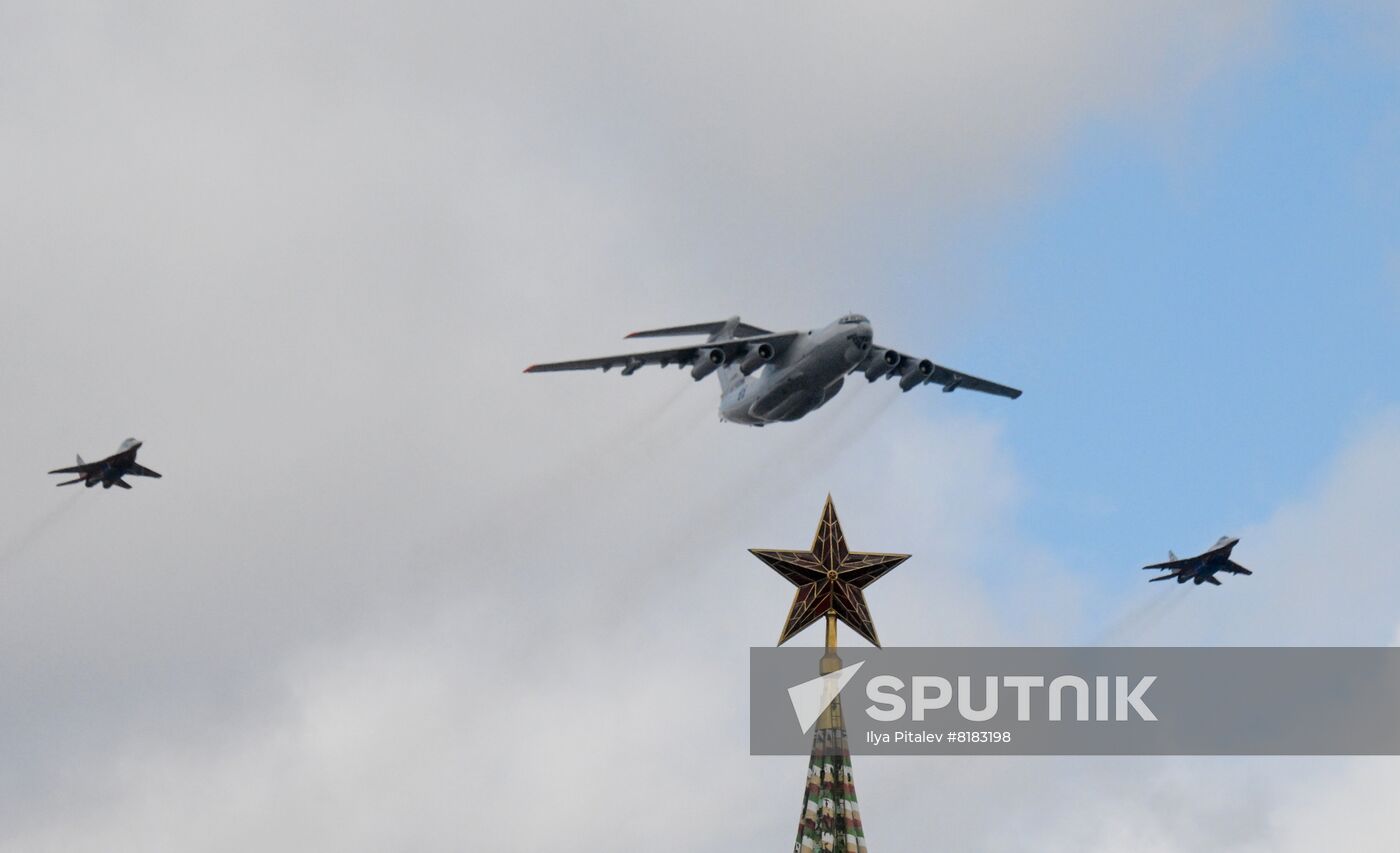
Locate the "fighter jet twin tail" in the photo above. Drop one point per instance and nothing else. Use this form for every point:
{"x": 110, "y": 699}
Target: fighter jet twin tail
{"x": 110, "y": 471}
{"x": 766, "y": 377}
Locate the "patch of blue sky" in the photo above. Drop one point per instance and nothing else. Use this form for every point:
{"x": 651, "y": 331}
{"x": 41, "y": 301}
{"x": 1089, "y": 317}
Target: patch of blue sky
{"x": 1201, "y": 323}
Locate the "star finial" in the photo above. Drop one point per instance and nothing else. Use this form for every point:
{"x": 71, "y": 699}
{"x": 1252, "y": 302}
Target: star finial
{"x": 829, "y": 579}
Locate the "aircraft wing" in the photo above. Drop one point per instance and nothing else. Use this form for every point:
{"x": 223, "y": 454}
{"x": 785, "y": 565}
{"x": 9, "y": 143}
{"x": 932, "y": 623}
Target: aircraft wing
{"x": 1173, "y": 564}
{"x": 85, "y": 468}
{"x": 1236, "y": 569}
{"x": 937, "y": 374}
{"x": 952, "y": 380}
{"x": 141, "y": 471}
{"x": 681, "y": 356}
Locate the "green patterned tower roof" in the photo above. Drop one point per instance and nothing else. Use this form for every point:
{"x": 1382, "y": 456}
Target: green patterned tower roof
{"x": 830, "y": 813}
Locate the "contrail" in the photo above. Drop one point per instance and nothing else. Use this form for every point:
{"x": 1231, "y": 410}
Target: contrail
{"x": 28, "y": 536}
{"x": 1143, "y": 617}
{"x": 845, "y": 435}
{"x": 663, "y": 408}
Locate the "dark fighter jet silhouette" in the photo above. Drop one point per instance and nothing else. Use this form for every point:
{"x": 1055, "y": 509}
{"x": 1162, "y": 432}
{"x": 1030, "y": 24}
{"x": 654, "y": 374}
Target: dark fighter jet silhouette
{"x": 110, "y": 471}
{"x": 1202, "y": 567}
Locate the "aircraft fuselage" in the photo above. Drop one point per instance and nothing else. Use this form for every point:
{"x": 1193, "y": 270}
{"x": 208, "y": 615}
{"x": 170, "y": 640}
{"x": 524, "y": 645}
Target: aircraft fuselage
{"x": 801, "y": 380}
{"x": 1210, "y": 563}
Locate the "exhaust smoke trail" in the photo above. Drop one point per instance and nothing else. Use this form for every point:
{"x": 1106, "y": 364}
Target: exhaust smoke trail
{"x": 28, "y": 536}
{"x": 1142, "y": 618}
{"x": 868, "y": 412}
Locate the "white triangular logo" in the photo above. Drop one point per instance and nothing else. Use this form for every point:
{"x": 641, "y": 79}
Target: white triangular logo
{"x": 810, "y": 698}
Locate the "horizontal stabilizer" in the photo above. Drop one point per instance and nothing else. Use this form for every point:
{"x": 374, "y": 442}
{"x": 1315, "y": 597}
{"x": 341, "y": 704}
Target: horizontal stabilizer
{"x": 742, "y": 330}
{"x": 120, "y": 482}
{"x": 76, "y": 469}
{"x": 709, "y": 354}
{"x": 1211, "y": 579}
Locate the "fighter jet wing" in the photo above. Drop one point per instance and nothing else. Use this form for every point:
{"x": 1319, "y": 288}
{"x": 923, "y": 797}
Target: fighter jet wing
{"x": 141, "y": 471}
{"x": 1236, "y": 569}
{"x": 85, "y": 471}
{"x": 937, "y": 374}
{"x": 85, "y": 468}
{"x": 1173, "y": 564}
{"x": 680, "y": 356}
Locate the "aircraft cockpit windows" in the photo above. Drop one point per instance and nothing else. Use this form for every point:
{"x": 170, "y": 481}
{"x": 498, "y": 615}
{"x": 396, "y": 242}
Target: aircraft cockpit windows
{"x": 852, "y": 319}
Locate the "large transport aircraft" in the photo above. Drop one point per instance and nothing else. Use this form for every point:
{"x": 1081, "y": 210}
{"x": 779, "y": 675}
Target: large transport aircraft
{"x": 767, "y": 377}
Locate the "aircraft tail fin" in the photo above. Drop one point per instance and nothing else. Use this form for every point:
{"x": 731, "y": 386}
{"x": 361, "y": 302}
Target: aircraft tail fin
{"x": 80, "y": 459}
{"x": 1171, "y": 556}
{"x": 726, "y": 330}
{"x": 718, "y": 330}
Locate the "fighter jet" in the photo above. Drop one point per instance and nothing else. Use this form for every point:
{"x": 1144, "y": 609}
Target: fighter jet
{"x": 110, "y": 471}
{"x": 766, "y": 377}
{"x": 1202, "y": 567}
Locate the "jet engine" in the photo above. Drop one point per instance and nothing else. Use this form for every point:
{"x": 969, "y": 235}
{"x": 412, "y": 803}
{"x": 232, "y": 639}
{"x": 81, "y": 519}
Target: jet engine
{"x": 882, "y": 364}
{"x": 709, "y": 362}
{"x": 757, "y": 357}
{"x": 916, "y": 375}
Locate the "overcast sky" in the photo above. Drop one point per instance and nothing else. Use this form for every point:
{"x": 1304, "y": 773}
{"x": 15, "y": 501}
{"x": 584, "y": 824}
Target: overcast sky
{"x": 393, "y": 595}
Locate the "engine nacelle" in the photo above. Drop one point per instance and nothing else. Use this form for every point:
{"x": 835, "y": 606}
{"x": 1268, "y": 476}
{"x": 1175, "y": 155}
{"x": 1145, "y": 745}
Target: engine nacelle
{"x": 709, "y": 362}
{"x": 885, "y": 362}
{"x": 917, "y": 374}
{"x": 757, "y": 357}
